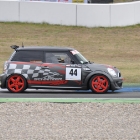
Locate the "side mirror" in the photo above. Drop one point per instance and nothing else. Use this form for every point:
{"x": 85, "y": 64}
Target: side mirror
{"x": 72, "y": 61}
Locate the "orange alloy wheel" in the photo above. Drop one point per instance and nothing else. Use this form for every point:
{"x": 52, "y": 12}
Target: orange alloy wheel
{"x": 99, "y": 84}
{"x": 16, "y": 83}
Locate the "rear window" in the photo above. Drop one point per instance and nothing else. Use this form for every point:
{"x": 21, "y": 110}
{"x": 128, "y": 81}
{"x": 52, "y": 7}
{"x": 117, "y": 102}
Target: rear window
{"x": 28, "y": 56}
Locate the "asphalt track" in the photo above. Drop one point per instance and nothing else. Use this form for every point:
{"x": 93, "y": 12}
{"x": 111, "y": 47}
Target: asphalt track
{"x": 127, "y": 94}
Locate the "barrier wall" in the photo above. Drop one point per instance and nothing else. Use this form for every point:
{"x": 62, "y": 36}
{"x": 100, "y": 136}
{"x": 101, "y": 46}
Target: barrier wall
{"x": 52, "y": 13}
{"x": 9, "y": 11}
{"x": 137, "y": 12}
{"x": 71, "y": 14}
{"x": 93, "y": 15}
{"x": 122, "y": 14}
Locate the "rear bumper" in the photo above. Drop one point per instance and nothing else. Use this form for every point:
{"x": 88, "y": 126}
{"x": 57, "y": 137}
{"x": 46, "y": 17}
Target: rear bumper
{"x": 3, "y": 80}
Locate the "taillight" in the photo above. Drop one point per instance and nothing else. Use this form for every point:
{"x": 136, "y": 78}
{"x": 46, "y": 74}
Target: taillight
{"x": 5, "y": 66}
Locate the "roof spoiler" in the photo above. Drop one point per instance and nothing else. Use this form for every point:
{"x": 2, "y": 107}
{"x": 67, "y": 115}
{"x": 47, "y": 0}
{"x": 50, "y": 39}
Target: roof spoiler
{"x": 14, "y": 47}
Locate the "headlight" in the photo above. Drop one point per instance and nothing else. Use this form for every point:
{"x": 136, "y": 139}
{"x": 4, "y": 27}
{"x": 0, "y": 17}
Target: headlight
{"x": 112, "y": 72}
{"x": 5, "y": 66}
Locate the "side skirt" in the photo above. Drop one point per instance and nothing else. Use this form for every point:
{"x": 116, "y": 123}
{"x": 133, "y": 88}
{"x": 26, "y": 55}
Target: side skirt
{"x": 55, "y": 87}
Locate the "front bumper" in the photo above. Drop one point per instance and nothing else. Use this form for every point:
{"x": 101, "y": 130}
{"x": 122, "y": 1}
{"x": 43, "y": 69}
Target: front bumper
{"x": 117, "y": 83}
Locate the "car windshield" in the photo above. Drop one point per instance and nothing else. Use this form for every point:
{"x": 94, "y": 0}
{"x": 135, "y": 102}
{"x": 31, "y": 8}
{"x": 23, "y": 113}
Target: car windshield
{"x": 80, "y": 57}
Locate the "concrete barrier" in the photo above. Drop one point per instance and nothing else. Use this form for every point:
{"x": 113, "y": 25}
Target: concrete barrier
{"x": 93, "y": 15}
{"x": 9, "y": 11}
{"x": 137, "y": 12}
{"x": 122, "y": 14}
{"x": 52, "y": 13}
{"x": 71, "y": 14}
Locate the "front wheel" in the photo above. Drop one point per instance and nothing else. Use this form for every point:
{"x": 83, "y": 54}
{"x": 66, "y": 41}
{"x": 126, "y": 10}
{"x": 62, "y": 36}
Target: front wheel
{"x": 99, "y": 84}
{"x": 16, "y": 83}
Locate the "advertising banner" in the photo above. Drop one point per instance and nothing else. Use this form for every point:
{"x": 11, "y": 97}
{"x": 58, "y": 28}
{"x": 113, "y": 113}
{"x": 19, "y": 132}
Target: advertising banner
{"x": 69, "y": 1}
{"x": 66, "y": 1}
{"x": 42, "y": 0}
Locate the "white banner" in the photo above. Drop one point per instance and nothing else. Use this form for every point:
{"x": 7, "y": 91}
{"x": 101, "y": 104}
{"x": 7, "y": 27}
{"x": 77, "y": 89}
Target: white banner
{"x": 66, "y": 1}
{"x": 42, "y": 0}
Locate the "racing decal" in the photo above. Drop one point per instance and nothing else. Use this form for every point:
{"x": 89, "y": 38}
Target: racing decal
{"x": 51, "y": 65}
{"x": 62, "y": 72}
{"x": 54, "y": 83}
{"x": 73, "y": 73}
{"x": 74, "y": 65}
{"x": 28, "y": 71}
{"x": 26, "y": 63}
{"x": 108, "y": 66}
{"x": 34, "y": 82}
{"x": 50, "y": 76}
{"x": 33, "y": 72}
{"x": 25, "y": 70}
{"x": 51, "y": 83}
{"x": 74, "y": 52}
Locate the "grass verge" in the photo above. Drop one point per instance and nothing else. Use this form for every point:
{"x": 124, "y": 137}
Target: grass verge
{"x": 69, "y": 100}
{"x": 117, "y": 46}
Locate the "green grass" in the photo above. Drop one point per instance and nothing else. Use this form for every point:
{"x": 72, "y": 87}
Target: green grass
{"x": 71, "y": 100}
{"x": 117, "y": 46}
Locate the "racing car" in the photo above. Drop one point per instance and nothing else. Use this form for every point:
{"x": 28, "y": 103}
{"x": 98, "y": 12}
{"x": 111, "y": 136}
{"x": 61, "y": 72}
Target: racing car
{"x": 50, "y": 67}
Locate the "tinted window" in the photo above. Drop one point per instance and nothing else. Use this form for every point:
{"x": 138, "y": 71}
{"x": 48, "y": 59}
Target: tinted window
{"x": 52, "y": 57}
{"x": 28, "y": 56}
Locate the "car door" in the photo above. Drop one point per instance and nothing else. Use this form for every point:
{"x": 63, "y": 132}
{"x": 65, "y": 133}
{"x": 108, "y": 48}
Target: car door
{"x": 58, "y": 70}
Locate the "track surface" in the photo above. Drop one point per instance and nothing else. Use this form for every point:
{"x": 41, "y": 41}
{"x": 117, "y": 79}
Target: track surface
{"x": 127, "y": 92}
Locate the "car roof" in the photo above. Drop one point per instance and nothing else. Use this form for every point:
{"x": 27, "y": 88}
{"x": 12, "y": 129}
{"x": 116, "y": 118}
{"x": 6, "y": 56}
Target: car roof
{"x": 44, "y": 48}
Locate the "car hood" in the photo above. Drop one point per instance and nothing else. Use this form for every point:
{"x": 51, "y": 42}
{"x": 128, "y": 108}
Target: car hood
{"x": 100, "y": 67}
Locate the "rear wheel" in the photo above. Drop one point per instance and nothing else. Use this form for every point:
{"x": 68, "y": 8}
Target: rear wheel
{"x": 16, "y": 83}
{"x": 99, "y": 84}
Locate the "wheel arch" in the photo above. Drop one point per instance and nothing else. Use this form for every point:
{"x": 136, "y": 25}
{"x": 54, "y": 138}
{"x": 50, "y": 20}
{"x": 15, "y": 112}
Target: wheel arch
{"x": 88, "y": 78}
{"x": 17, "y": 74}
{"x": 4, "y": 78}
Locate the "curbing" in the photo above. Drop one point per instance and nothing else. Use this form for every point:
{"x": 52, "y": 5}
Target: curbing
{"x": 72, "y": 100}
{"x": 134, "y": 86}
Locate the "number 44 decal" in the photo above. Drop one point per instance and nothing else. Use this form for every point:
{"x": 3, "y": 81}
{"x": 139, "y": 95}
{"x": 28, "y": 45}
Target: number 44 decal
{"x": 73, "y": 73}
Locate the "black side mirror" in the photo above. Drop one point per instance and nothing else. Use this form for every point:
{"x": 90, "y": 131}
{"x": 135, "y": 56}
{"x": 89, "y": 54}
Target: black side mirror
{"x": 72, "y": 61}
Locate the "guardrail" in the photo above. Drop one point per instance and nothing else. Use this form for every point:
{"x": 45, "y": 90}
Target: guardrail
{"x": 71, "y": 14}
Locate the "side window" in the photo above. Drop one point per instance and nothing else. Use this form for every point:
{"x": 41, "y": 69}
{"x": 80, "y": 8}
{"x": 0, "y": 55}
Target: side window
{"x": 57, "y": 58}
{"x": 28, "y": 56}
